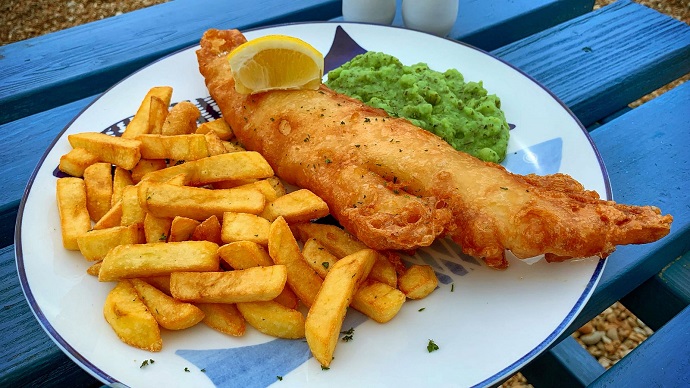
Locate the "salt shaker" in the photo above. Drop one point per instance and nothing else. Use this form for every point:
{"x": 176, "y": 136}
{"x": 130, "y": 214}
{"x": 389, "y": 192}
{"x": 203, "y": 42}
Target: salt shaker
{"x": 434, "y": 16}
{"x": 369, "y": 11}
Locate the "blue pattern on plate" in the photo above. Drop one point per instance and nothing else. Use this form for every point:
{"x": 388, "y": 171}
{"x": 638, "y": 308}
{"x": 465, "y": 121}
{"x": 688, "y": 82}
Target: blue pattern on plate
{"x": 257, "y": 365}
{"x": 342, "y": 50}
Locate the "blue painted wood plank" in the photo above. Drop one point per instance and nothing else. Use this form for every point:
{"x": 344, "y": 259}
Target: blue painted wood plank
{"x": 567, "y": 364}
{"x": 512, "y": 24}
{"x": 663, "y": 360}
{"x": 37, "y": 74}
{"x": 676, "y": 277}
{"x": 663, "y": 296}
{"x": 27, "y": 139}
{"x": 28, "y": 357}
{"x": 597, "y": 71}
{"x": 645, "y": 152}
{"x": 492, "y": 24}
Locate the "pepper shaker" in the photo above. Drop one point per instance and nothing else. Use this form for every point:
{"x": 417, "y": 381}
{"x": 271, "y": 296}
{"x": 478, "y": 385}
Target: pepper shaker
{"x": 369, "y": 11}
{"x": 434, "y": 16}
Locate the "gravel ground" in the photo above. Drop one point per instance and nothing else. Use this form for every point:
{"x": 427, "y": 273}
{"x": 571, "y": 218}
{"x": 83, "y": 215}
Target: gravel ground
{"x": 608, "y": 337}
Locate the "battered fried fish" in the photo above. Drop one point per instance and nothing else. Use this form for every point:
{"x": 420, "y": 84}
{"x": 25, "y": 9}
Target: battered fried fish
{"x": 398, "y": 187}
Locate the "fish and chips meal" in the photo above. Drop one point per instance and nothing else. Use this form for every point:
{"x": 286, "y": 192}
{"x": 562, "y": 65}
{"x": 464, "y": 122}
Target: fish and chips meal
{"x": 194, "y": 223}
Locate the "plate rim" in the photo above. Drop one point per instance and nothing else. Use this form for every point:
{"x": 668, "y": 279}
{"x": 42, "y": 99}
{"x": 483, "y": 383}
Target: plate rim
{"x": 496, "y": 378}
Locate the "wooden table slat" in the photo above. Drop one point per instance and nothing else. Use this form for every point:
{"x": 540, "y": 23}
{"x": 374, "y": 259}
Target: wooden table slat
{"x": 663, "y": 360}
{"x": 597, "y": 72}
{"x": 64, "y": 66}
{"x": 645, "y": 152}
{"x": 660, "y": 298}
{"x": 39, "y": 76}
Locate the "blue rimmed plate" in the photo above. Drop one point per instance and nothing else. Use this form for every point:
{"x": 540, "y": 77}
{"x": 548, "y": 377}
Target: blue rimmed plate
{"x": 487, "y": 323}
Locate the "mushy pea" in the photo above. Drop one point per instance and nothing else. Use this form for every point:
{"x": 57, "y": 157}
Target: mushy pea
{"x": 462, "y": 113}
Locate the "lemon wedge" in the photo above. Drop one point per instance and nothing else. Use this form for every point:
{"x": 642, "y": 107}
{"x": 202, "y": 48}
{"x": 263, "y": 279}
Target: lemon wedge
{"x": 275, "y": 62}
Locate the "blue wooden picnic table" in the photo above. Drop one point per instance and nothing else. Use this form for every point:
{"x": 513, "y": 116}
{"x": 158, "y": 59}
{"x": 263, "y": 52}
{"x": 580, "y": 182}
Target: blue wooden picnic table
{"x": 596, "y": 62}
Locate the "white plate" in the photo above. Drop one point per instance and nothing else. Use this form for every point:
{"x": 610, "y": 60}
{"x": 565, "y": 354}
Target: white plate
{"x": 487, "y": 323}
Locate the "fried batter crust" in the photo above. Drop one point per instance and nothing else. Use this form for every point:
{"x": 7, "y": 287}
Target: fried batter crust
{"x": 398, "y": 187}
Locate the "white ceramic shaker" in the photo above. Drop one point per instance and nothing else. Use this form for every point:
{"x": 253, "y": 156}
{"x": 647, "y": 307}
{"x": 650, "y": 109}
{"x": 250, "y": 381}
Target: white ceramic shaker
{"x": 434, "y": 16}
{"x": 369, "y": 11}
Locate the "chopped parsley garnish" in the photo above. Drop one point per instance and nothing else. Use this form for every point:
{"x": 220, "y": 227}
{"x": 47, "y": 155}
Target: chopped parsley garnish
{"x": 422, "y": 309}
{"x": 163, "y": 237}
{"x": 431, "y": 346}
{"x": 324, "y": 367}
{"x": 325, "y": 264}
{"x": 452, "y": 287}
{"x": 186, "y": 369}
{"x": 146, "y": 363}
{"x": 348, "y": 334}
{"x": 280, "y": 378}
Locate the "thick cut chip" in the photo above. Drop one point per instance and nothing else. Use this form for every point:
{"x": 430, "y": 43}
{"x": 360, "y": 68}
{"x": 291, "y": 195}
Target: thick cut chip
{"x": 182, "y": 228}
{"x": 143, "y": 260}
{"x": 158, "y": 111}
{"x": 326, "y": 314}
{"x": 378, "y": 301}
{"x": 231, "y": 146}
{"x": 140, "y": 122}
{"x": 223, "y": 317}
{"x": 318, "y": 257}
{"x": 297, "y": 206}
{"x": 121, "y": 179}
{"x": 94, "y": 268}
{"x": 130, "y": 318}
{"x": 115, "y": 150}
{"x": 418, "y": 281}
{"x": 219, "y": 126}
{"x": 181, "y": 119}
{"x": 74, "y": 217}
{"x": 283, "y": 249}
{"x": 244, "y": 227}
{"x": 175, "y": 147}
{"x": 132, "y": 212}
{"x": 340, "y": 243}
{"x": 244, "y": 254}
{"x": 156, "y": 229}
{"x": 247, "y": 285}
{"x": 96, "y": 244}
{"x": 273, "y": 319}
{"x": 112, "y": 218}
{"x": 98, "y": 180}
{"x": 209, "y": 230}
{"x": 247, "y": 254}
{"x": 146, "y": 166}
{"x": 231, "y": 166}
{"x": 166, "y": 200}
{"x": 76, "y": 161}
{"x": 168, "y": 312}
{"x": 214, "y": 144}
{"x": 160, "y": 282}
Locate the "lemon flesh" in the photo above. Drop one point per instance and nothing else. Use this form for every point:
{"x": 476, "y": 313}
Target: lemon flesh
{"x": 275, "y": 62}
